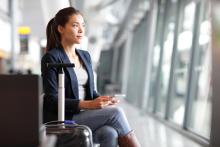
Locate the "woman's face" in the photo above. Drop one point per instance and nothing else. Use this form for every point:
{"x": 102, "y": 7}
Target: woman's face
{"x": 74, "y": 30}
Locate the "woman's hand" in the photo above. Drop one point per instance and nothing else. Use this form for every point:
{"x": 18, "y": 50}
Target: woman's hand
{"x": 114, "y": 101}
{"x": 98, "y": 103}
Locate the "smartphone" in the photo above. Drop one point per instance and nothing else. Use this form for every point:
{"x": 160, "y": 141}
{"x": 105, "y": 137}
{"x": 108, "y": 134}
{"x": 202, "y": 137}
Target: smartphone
{"x": 119, "y": 96}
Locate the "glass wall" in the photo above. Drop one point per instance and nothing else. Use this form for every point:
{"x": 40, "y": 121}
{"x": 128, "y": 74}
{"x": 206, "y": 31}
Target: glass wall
{"x": 120, "y": 65}
{"x": 199, "y": 120}
{"x": 136, "y": 73}
{"x": 182, "y": 64}
{"x": 5, "y": 36}
{"x": 156, "y": 57}
{"x": 180, "y": 67}
{"x": 180, "y": 83}
{"x": 166, "y": 57}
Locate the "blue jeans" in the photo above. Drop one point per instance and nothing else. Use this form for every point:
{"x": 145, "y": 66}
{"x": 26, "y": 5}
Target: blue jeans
{"x": 106, "y": 124}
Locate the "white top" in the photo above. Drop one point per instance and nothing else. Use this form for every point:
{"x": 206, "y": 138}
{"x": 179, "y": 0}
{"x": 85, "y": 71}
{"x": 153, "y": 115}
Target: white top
{"x": 82, "y": 77}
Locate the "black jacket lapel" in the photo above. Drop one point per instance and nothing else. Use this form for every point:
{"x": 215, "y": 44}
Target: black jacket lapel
{"x": 72, "y": 75}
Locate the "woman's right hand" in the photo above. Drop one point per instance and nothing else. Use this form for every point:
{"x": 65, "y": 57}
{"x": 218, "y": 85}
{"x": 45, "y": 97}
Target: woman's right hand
{"x": 97, "y": 103}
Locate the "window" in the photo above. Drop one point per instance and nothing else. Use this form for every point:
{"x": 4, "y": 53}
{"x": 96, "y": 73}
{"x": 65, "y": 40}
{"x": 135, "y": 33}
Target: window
{"x": 182, "y": 65}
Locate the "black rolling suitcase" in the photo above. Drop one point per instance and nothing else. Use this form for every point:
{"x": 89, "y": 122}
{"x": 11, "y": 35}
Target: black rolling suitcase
{"x": 68, "y": 133}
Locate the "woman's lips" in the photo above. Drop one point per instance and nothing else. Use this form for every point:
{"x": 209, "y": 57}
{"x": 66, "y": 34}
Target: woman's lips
{"x": 80, "y": 37}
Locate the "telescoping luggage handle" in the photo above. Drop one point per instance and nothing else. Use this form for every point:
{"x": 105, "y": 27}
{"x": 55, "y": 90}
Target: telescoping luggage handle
{"x": 62, "y": 126}
{"x": 61, "y": 88}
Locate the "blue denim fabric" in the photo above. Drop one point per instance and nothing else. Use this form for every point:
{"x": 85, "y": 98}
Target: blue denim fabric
{"x": 96, "y": 119}
{"x": 106, "y": 136}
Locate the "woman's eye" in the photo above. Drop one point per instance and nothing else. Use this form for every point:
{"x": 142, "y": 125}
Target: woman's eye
{"x": 75, "y": 25}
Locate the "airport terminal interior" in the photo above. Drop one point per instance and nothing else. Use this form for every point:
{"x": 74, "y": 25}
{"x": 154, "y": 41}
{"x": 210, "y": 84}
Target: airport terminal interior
{"x": 161, "y": 56}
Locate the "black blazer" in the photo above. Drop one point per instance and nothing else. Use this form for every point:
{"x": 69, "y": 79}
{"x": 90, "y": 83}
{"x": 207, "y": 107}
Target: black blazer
{"x": 50, "y": 82}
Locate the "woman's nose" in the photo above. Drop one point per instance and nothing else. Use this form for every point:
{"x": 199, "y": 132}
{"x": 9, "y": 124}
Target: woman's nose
{"x": 81, "y": 29}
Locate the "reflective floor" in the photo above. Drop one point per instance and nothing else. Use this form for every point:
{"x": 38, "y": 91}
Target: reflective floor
{"x": 152, "y": 133}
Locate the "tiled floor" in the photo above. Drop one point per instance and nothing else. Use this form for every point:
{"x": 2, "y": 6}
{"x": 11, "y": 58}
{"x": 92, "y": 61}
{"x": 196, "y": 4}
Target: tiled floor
{"x": 152, "y": 133}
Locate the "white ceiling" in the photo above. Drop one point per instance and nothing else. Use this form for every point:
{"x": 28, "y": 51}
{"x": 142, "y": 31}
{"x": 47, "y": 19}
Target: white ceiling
{"x": 104, "y": 18}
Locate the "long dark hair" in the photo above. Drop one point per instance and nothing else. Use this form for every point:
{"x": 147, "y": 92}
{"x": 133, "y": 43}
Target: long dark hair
{"x": 61, "y": 18}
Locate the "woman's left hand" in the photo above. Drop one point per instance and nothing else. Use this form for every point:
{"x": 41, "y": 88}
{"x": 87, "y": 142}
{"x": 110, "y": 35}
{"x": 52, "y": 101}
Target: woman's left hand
{"x": 114, "y": 101}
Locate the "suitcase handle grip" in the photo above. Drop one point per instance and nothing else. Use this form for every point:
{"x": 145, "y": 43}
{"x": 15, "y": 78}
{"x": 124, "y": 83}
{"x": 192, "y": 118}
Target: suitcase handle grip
{"x": 69, "y": 122}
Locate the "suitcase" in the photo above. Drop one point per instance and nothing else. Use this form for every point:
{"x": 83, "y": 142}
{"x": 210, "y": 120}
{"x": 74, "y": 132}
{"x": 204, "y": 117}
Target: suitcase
{"x": 68, "y": 133}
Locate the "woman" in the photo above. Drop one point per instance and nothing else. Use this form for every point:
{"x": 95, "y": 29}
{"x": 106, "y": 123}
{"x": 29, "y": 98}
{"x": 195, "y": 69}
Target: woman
{"x": 82, "y": 103}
